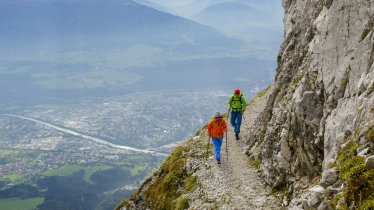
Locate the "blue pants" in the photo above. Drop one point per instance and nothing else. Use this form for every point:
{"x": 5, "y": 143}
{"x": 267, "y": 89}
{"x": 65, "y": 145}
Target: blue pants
{"x": 236, "y": 121}
{"x": 217, "y": 147}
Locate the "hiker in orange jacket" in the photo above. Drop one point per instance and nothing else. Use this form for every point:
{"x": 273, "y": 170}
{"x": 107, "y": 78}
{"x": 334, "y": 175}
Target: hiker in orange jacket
{"x": 216, "y": 130}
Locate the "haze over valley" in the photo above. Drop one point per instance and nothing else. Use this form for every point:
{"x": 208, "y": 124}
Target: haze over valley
{"x": 81, "y": 80}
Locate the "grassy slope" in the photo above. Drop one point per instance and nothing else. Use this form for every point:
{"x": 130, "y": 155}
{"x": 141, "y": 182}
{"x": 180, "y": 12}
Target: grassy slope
{"x": 165, "y": 188}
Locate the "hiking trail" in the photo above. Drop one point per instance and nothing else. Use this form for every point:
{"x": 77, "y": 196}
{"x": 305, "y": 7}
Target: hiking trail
{"x": 233, "y": 184}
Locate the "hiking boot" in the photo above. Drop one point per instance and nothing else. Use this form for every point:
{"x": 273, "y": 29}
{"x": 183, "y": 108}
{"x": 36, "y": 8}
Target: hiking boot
{"x": 218, "y": 161}
{"x": 237, "y": 136}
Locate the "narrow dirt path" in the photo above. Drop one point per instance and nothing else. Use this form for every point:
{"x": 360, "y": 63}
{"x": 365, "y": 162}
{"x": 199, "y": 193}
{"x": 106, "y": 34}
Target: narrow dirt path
{"x": 233, "y": 184}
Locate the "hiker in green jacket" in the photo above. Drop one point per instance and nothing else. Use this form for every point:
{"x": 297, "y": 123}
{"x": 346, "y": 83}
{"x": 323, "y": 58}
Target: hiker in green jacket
{"x": 237, "y": 105}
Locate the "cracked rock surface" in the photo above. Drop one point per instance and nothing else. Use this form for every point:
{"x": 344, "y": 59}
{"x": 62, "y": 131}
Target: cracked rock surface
{"x": 323, "y": 95}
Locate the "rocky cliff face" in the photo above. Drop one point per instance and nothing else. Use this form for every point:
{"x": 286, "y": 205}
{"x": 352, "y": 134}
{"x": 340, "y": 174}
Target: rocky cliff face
{"x": 323, "y": 96}
{"x": 313, "y": 138}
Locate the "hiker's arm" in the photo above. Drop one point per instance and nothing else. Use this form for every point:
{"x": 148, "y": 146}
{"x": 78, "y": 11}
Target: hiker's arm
{"x": 229, "y": 103}
{"x": 244, "y": 104}
{"x": 210, "y": 129}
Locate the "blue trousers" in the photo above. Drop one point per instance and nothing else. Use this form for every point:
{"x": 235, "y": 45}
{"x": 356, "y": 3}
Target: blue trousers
{"x": 236, "y": 121}
{"x": 217, "y": 147}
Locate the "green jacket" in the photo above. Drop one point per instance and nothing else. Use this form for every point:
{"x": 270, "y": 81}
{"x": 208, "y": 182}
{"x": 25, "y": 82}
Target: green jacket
{"x": 237, "y": 103}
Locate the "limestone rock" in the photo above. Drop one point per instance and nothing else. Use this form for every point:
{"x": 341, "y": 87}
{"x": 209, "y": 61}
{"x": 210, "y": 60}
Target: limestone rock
{"x": 363, "y": 152}
{"x": 324, "y": 206}
{"x": 330, "y": 176}
{"x": 369, "y": 162}
{"x": 314, "y": 201}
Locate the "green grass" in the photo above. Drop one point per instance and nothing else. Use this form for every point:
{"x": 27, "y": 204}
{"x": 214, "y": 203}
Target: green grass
{"x": 63, "y": 171}
{"x": 91, "y": 170}
{"x": 259, "y": 95}
{"x": 69, "y": 170}
{"x": 262, "y": 93}
{"x": 370, "y": 135}
{"x": 136, "y": 157}
{"x": 6, "y": 153}
{"x": 182, "y": 203}
{"x": 191, "y": 184}
{"x": 358, "y": 179}
{"x": 17, "y": 154}
{"x": 120, "y": 163}
{"x": 170, "y": 183}
{"x": 364, "y": 33}
{"x": 254, "y": 163}
{"x": 13, "y": 177}
{"x": 20, "y": 204}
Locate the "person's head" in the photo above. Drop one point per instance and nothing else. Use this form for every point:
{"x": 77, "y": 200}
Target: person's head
{"x": 237, "y": 91}
{"x": 217, "y": 116}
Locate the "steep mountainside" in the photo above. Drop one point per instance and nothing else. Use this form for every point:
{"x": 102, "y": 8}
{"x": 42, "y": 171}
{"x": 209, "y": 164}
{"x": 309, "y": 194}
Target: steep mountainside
{"x": 322, "y": 98}
{"x": 314, "y": 137}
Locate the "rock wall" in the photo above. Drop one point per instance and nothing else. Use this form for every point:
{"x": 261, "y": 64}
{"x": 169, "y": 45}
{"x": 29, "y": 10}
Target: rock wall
{"x": 323, "y": 94}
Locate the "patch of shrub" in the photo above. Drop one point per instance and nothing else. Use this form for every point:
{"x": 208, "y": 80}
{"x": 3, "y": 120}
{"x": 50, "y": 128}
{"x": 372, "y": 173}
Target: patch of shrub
{"x": 358, "y": 179}
{"x": 370, "y": 135}
{"x": 182, "y": 203}
{"x": 254, "y": 163}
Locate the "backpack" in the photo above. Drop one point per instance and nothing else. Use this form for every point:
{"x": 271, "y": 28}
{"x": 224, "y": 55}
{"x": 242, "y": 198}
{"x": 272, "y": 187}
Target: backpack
{"x": 232, "y": 98}
{"x": 214, "y": 122}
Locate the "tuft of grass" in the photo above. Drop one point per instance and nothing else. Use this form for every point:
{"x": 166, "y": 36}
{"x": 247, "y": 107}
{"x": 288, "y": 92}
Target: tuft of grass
{"x": 254, "y": 163}
{"x": 368, "y": 204}
{"x": 335, "y": 200}
{"x": 182, "y": 203}
{"x": 191, "y": 184}
{"x": 259, "y": 95}
{"x": 295, "y": 82}
{"x": 198, "y": 132}
{"x": 364, "y": 34}
{"x": 262, "y": 93}
{"x": 347, "y": 153}
{"x": 358, "y": 179}
{"x": 370, "y": 135}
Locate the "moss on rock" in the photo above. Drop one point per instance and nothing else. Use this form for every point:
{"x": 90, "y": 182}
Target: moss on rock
{"x": 370, "y": 135}
{"x": 358, "y": 179}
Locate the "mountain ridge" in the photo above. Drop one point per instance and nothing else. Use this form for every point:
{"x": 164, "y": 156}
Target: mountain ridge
{"x": 83, "y": 23}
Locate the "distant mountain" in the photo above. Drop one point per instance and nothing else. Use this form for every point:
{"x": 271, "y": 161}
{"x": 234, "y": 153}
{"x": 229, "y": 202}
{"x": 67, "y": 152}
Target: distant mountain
{"x": 190, "y": 8}
{"x": 264, "y": 5}
{"x": 154, "y": 5}
{"x": 184, "y": 8}
{"x": 251, "y": 19}
{"x": 230, "y": 11}
{"x": 62, "y": 25}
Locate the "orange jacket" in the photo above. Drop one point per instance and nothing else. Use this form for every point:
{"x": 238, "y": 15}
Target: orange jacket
{"x": 217, "y": 129}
